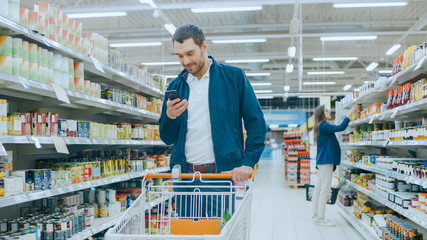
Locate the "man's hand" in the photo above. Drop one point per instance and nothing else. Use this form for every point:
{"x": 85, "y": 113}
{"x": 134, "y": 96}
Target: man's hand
{"x": 241, "y": 174}
{"x": 176, "y": 107}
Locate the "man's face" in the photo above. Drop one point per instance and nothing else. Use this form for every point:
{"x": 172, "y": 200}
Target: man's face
{"x": 190, "y": 55}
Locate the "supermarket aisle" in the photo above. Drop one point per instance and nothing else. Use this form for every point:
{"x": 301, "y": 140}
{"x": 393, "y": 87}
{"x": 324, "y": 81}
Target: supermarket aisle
{"x": 279, "y": 212}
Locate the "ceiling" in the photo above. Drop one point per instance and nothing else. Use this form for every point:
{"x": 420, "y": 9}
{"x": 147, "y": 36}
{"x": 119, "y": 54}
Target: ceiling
{"x": 405, "y": 25}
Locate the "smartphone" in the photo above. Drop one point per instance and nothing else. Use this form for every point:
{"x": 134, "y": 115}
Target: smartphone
{"x": 172, "y": 94}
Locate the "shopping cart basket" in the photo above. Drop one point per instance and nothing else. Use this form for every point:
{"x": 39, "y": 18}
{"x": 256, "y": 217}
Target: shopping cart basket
{"x": 309, "y": 190}
{"x": 196, "y": 194}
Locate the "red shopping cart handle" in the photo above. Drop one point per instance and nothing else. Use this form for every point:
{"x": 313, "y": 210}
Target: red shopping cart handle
{"x": 196, "y": 175}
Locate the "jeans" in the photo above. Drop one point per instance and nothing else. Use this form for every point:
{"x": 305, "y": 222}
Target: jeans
{"x": 322, "y": 189}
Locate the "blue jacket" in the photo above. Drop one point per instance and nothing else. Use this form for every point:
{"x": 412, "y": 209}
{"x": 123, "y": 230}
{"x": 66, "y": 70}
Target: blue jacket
{"x": 328, "y": 148}
{"x": 231, "y": 99}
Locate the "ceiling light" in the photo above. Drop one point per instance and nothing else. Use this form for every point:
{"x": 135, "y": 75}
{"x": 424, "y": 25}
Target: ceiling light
{"x": 160, "y": 63}
{"x": 225, "y": 9}
{"x": 170, "y": 27}
{"x": 258, "y": 74}
{"x": 263, "y": 91}
{"x": 326, "y": 73}
{"x": 286, "y": 88}
{"x": 392, "y": 49}
{"x": 308, "y": 96}
{"x": 319, "y": 83}
{"x": 346, "y": 87}
{"x": 141, "y": 44}
{"x": 240, "y": 40}
{"x": 385, "y": 71}
{"x": 171, "y": 76}
{"x": 293, "y": 125}
{"x": 261, "y": 84}
{"x": 371, "y": 66}
{"x": 247, "y": 61}
{"x": 264, "y": 97}
{"x": 289, "y": 68}
{"x": 149, "y": 2}
{"x": 291, "y": 51}
{"x": 96, "y": 15}
{"x": 335, "y": 58}
{"x": 348, "y": 38}
{"x": 372, "y": 4}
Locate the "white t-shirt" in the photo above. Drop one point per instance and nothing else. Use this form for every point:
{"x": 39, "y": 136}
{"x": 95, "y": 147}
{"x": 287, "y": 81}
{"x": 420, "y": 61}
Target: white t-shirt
{"x": 199, "y": 145}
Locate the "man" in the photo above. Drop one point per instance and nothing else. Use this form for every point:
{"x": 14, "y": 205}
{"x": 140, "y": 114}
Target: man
{"x": 205, "y": 126}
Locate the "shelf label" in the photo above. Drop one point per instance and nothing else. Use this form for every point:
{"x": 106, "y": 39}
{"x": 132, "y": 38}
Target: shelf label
{"x": 372, "y": 119}
{"x": 394, "y": 113}
{"x": 385, "y": 143}
{"x": 97, "y": 64}
{"x": 420, "y": 62}
{"x": 46, "y": 41}
{"x": 388, "y": 174}
{"x": 35, "y": 140}
{"x": 60, "y": 93}
{"x": 3, "y": 152}
{"x": 20, "y": 198}
{"x": 25, "y": 82}
{"x": 383, "y": 115}
{"x": 60, "y": 145}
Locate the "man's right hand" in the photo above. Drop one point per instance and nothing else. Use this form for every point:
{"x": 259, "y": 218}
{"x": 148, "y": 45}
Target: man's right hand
{"x": 176, "y": 107}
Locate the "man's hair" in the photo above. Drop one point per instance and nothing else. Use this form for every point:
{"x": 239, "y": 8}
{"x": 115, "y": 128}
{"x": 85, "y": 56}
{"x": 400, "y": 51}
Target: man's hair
{"x": 189, "y": 31}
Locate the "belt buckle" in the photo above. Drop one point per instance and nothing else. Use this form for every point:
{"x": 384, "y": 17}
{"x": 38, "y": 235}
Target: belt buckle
{"x": 193, "y": 167}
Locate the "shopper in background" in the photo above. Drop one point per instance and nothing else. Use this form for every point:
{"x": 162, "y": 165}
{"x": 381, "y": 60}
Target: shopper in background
{"x": 205, "y": 126}
{"x": 328, "y": 158}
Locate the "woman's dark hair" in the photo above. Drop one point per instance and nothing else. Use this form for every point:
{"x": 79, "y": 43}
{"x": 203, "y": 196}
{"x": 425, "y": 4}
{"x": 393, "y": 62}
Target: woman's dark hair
{"x": 189, "y": 31}
{"x": 319, "y": 115}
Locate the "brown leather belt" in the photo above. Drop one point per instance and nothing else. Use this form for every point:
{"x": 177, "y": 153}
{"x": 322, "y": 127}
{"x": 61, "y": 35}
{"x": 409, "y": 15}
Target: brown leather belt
{"x": 202, "y": 168}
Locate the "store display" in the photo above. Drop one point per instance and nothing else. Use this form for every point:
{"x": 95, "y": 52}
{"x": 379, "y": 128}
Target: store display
{"x": 297, "y": 158}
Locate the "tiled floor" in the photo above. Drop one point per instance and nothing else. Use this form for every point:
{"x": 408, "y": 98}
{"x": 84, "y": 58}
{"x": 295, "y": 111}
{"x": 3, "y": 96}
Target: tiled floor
{"x": 279, "y": 212}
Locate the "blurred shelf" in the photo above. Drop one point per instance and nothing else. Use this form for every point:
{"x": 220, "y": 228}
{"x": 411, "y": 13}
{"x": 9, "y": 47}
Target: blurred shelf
{"x": 366, "y": 231}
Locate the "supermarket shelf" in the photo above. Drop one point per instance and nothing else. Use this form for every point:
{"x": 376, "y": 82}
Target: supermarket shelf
{"x": 422, "y": 221}
{"x": 10, "y": 139}
{"x": 407, "y": 143}
{"x": 388, "y": 173}
{"x": 409, "y": 75}
{"x": 368, "y": 98}
{"x": 114, "y": 77}
{"x": 365, "y": 143}
{"x": 40, "y": 91}
{"x": 35, "y": 195}
{"x": 366, "y": 231}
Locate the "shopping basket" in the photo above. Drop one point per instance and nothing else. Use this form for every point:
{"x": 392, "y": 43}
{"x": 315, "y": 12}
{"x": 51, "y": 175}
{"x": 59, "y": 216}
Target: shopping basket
{"x": 191, "y": 193}
{"x": 309, "y": 190}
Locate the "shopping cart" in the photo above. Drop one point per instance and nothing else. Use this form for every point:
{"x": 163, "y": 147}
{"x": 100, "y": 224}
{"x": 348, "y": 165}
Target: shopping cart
{"x": 201, "y": 210}
{"x": 309, "y": 190}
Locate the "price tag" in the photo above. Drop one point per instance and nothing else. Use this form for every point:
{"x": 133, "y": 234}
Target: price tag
{"x": 60, "y": 93}
{"x": 383, "y": 115}
{"x": 46, "y": 41}
{"x": 97, "y": 64}
{"x": 385, "y": 143}
{"x": 372, "y": 119}
{"x": 394, "y": 113}
{"x": 92, "y": 188}
{"x": 420, "y": 62}
{"x": 35, "y": 140}
{"x": 20, "y": 198}
{"x": 388, "y": 174}
{"x": 90, "y": 238}
{"x": 25, "y": 82}
{"x": 60, "y": 145}
{"x": 3, "y": 152}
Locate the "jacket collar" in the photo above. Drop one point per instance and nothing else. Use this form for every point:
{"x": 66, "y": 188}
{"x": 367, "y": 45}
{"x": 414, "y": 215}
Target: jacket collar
{"x": 184, "y": 74}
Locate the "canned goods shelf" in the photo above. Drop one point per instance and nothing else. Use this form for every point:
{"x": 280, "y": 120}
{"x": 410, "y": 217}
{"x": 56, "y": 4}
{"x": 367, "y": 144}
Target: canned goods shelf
{"x": 366, "y": 231}
{"x": 40, "y": 90}
{"x": 407, "y": 143}
{"x": 36, "y": 195}
{"x": 388, "y": 173}
{"x": 420, "y": 220}
{"x": 110, "y": 76}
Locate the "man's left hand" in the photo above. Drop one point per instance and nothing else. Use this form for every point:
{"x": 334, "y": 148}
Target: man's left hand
{"x": 242, "y": 173}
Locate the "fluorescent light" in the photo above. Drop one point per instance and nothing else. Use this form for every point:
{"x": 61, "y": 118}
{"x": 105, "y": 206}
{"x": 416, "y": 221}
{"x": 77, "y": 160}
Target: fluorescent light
{"x": 286, "y": 88}
{"x": 160, "y": 63}
{"x": 273, "y": 125}
{"x": 385, "y": 71}
{"x": 319, "y": 83}
{"x": 263, "y": 91}
{"x": 371, "y": 66}
{"x": 170, "y": 27}
{"x": 96, "y": 15}
{"x": 291, "y": 51}
{"x": 372, "y": 4}
{"x": 293, "y": 125}
{"x": 141, "y": 44}
{"x": 247, "y": 61}
{"x": 261, "y": 84}
{"x": 326, "y": 73}
{"x": 348, "y": 38}
{"x": 240, "y": 40}
{"x": 289, "y": 68}
{"x": 258, "y": 74}
{"x": 149, "y": 2}
{"x": 308, "y": 96}
{"x": 226, "y": 9}
{"x": 346, "y": 87}
{"x": 334, "y": 58}
{"x": 392, "y": 49}
{"x": 171, "y": 76}
{"x": 264, "y": 97}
